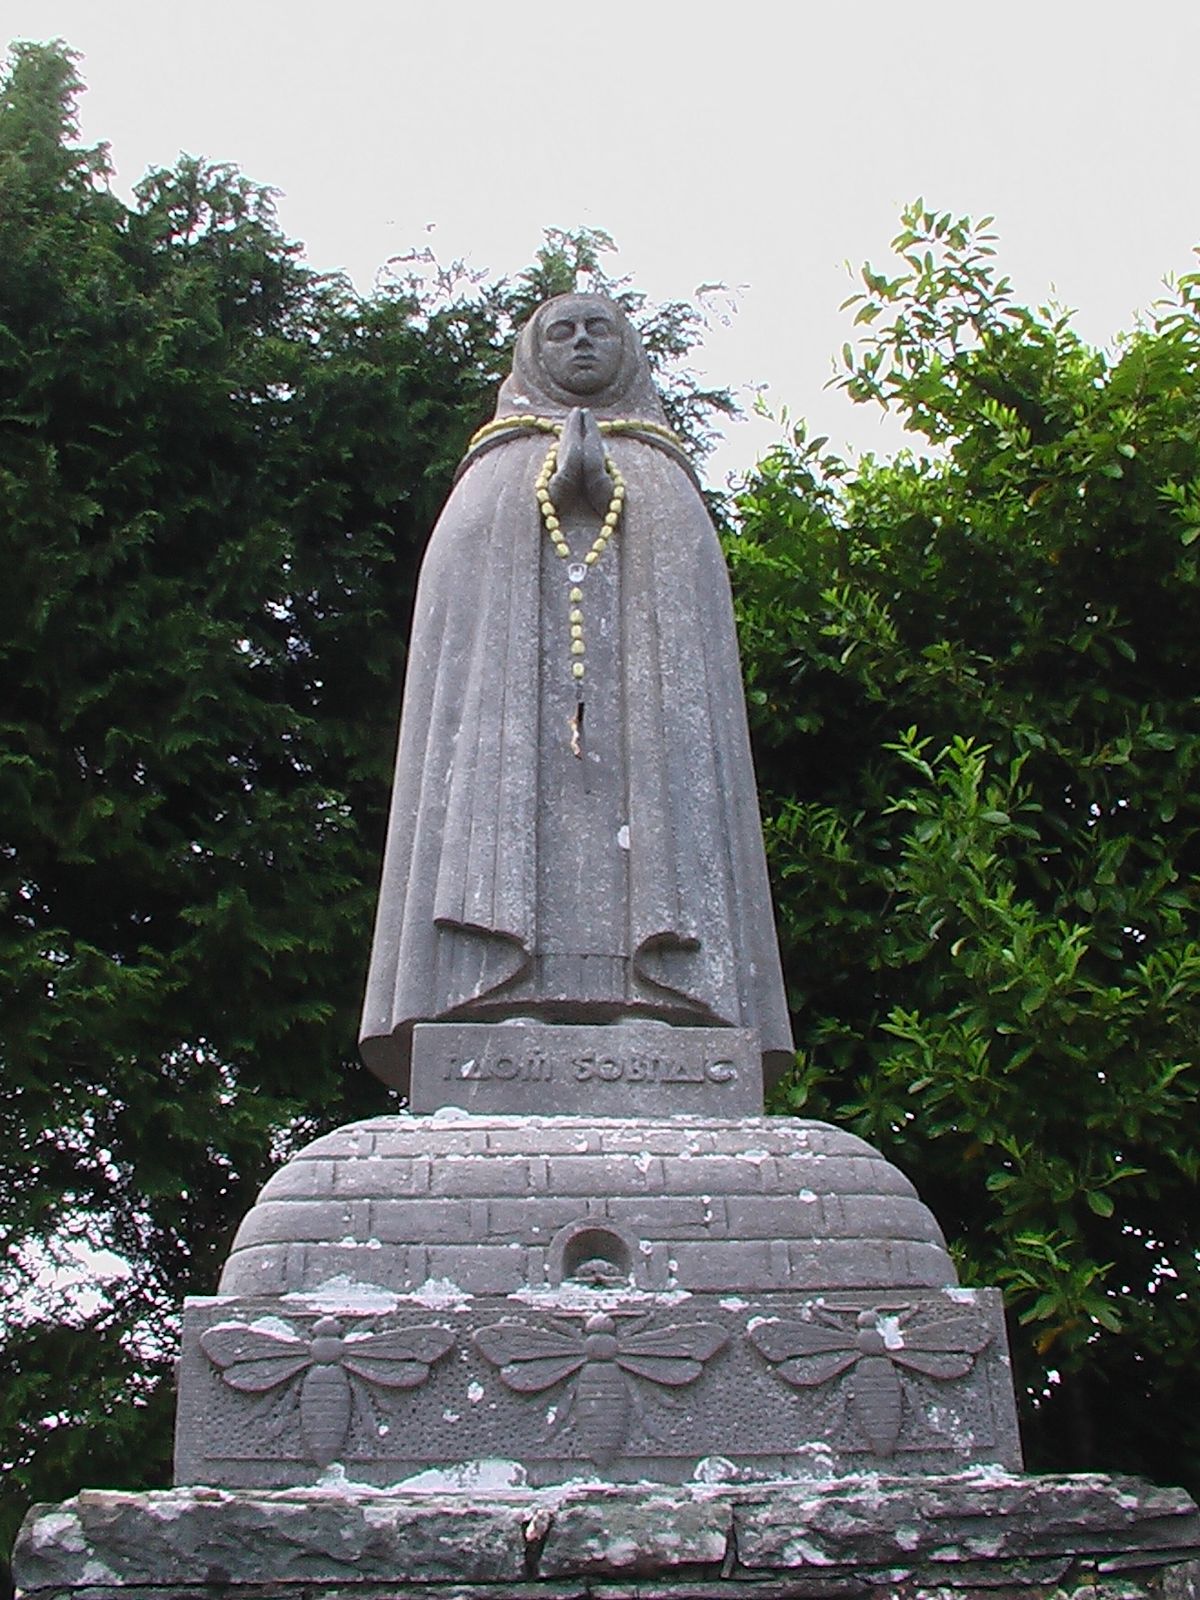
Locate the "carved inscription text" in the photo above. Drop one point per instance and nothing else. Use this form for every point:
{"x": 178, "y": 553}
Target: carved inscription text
{"x": 632, "y": 1068}
{"x": 588, "y": 1067}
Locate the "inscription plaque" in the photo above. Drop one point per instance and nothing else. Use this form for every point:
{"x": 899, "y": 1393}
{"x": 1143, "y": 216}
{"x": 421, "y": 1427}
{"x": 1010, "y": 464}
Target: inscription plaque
{"x": 633, "y": 1069}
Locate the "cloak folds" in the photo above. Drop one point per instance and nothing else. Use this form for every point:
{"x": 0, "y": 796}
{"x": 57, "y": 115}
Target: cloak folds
{"x": 674, "y": 858}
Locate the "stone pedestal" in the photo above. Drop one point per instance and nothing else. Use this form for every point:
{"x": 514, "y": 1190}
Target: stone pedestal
{"x": 671, "y": 1358}
{"x": 974, "y": 1536}
{"x": 626, "y": 1297}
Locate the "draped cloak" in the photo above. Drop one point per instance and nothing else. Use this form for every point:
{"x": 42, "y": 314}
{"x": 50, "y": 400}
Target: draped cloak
{"x": 463, "y": 903}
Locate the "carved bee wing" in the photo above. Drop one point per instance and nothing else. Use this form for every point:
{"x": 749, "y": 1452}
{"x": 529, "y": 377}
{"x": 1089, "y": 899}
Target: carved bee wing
{"x": 943, "y": 1347}
{"x": 806, "y": 1372}
{"x": 530, "y": 1358}
{"x": 960, "y": 1332}
{"x": 398, "y": 1359}
{"x": 779, "y": 1339}
{"x": 936, "y": 1364}
{"x": 252, "y": 1360}
{"x": 673, "y": 1355}
{"x": 805, "y": 1353}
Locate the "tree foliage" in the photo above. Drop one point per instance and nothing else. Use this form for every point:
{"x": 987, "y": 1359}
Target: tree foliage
{"x": 973, "y": 679}
{"x": 218, "y": 468}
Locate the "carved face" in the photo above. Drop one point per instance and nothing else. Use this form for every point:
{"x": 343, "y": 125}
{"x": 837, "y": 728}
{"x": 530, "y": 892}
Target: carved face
{"x": 581, "y": 347}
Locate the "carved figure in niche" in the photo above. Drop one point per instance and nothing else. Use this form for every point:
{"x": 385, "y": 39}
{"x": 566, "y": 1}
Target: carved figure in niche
{"x": 574, "y": 832}
{"x": 597, "y": 1273}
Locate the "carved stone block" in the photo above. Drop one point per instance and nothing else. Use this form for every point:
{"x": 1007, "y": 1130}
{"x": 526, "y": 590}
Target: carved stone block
{"x": 581, "y": 1381}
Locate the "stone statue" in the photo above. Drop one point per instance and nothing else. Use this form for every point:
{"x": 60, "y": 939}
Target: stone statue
{"x": 583, "y": 1213}
{"x": 593, "y": 1259}
{"x": 574, "y": 834}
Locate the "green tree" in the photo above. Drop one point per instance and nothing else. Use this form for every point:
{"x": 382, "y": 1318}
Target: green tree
{"x": 217, "y": 471}
{"x": 973, "y": 679}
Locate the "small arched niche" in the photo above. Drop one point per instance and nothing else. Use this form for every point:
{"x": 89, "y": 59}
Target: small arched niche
{"x": 592, "y": 1254}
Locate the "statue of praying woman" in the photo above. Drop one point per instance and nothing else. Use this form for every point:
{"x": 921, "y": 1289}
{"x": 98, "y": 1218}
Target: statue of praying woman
{"x": 574, "y": 832}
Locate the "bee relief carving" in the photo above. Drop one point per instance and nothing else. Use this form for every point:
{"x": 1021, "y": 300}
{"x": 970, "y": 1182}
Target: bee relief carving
{"x": 325, "y": 1375}
{"x": 597, "y": 1361}
{"x": 872, "y": 1349}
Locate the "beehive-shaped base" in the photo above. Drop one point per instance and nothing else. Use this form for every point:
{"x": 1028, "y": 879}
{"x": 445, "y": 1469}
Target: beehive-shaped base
{"x": 589, "y": 1297}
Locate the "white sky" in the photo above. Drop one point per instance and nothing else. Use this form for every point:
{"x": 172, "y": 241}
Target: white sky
{"x": 762, "y": 144}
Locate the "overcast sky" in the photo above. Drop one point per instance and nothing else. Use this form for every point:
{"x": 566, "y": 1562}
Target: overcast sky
{"x": 761, "y": 144}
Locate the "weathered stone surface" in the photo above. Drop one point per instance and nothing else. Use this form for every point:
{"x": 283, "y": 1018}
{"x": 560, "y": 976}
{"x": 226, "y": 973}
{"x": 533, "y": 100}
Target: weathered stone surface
{"x": 585, "y": 1378}
{"x": 991, "y": 1534}
{"x": 1181, "y": 1582}
{"x": 635, "y": 1536}
{"x": 970, "y": 1518}
{"x": 203, "y": 1536}
{"x": 707, "y": 1203}
{"x": 639, "y": 1068}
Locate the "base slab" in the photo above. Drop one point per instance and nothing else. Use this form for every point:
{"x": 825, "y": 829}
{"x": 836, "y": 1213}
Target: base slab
{"x": 987, "y": 1534}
